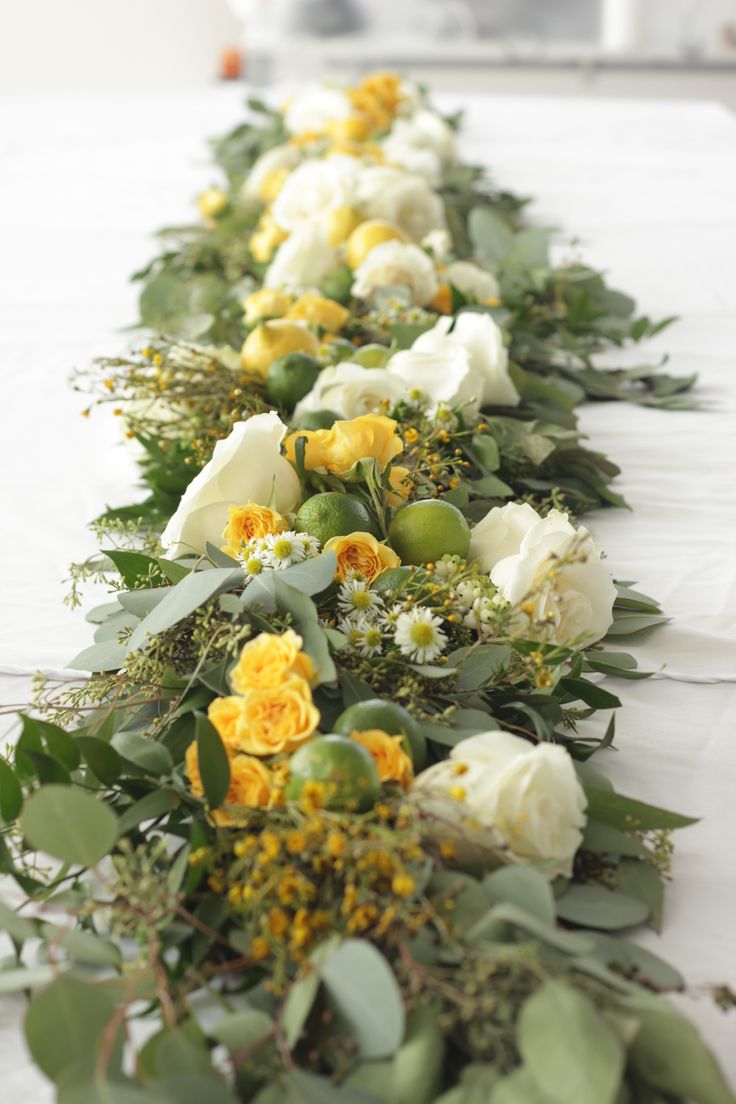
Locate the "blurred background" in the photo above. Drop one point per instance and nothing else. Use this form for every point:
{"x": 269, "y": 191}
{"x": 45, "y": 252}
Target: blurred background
{"x": 658, "y": 48}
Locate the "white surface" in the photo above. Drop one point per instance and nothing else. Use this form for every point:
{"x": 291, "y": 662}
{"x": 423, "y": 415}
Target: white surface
{"x": 649, "y": 187}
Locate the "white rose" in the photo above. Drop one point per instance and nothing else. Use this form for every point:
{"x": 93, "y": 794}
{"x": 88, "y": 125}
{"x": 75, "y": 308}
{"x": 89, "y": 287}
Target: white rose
{"x": 315, "y": 108}
{"x": 392, "y": 263}
{"x": 527, "y": 794}
{"x": 578, "y": 600}
{"x": 303, "y": 260}
{"x": 421, "y": 139}
{"x": 280, "y": 157}
{"x": 315, "y": 190}
{"x": 472, "y": 280}
{"x": 439, "y": 243}
{"x": 247, "y": 466}
{"x": 405, "y": 198}
{"x": 444, "y": 379}
{"x": 481, "y": 338}
{"x": 351, "y": 390}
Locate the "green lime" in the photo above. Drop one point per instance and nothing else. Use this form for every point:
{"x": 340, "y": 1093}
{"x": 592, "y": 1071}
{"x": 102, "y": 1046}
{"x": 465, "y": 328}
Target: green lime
{"x": 371, "y": 356}
{"x": 334, "y": 514}
{"x": 422, "y": 532}
{"x": 390, "y": 718}
{"x": 347, "y": 771}
{"x": 336, "y": 351}
{"x": 291, "y": 377}
{"x": 338, "y": 285}
{"x": 317, "y": 419}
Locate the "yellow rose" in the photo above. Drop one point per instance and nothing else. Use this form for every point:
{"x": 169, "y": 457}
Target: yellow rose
{"x": 338, "y": 449}
{"x": 363, "y": 553}
{"x": 266, "y": 661}
{"x": 266, "y": 237}
{"x": 368, "y": 235}
{"x": 265, "y": 303}
{"x": 272, "y": 183}
{"x": 393, "y": 764}
{"x": 211, "y": 203}
{"x": 312, "y": 308}
{"x": 277, "y": 719}
{"x": 442, "y": 301}
{"x": 249, "y": 521}
{"x": 355, "y": 128}
{"x": 401, "y": 483}
{"x": 273, "y": 339}
{"x": 228, "y": 717}
{"x": 251, "y": 783}
{"x": 370, "y": 435}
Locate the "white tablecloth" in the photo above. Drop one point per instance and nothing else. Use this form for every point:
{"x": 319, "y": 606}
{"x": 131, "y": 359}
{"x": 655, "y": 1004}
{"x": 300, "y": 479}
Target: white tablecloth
{"x": 649, "y": 187}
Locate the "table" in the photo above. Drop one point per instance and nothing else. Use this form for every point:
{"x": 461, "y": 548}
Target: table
{"x": 649, "y": 187}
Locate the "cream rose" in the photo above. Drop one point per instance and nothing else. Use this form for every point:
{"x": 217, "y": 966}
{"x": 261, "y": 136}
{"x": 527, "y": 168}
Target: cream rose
{"x": 315, "y": 190}
{"x": 404, "y": 198}
{"x": 351, "y": 390}
{"x": 472, "y": 280}
{"x": 272, "y": 161}
{"x": 420, "y": 142}
{"x": 312, "y": 110}
{"x": 444, "y": 378}
{"x": 245, "y": 467}
{"x": 528, "y": 795}
{"x": 482, "y": 340}
{"x": 396, "y": 263}
{"x": 302, "y": 261}
{"x": 577, "y": 598}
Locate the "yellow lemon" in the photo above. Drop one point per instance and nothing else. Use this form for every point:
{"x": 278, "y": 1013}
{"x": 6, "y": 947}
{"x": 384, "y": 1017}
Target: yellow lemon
{"x": 265, "y": 303}
{"x": 341, "y": 223}
{"x": 370, "y": 234}
{"x": 274, "y": 339}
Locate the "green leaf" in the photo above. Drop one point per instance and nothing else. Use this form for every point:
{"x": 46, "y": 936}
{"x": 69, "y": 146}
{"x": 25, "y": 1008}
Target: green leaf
{"x": 151, "y": 756}
{"x": 25, "y": 977}
{"x": 311, "y": 576}
{"x": 101, "y": 757}
{"x": 489, "y": 234}
{"x": 476, "y": 1084}
{"x": 153, "y": 805}
{"x": 106, "y": 1092}
{"x": 631, "y": 959}
{"x": 69, "y": 824}
{"x": 84, "y": 946}
{"x": 190, "y": 1088}
{"x": 626, "y": 623}
{"x": 298, "y": 1004}
{"x": 243, "y": 1030}
{"x": 188, "y": 595}
{"x": 16, "y": 926}
{"x": 592, "y": 906}
{"x": 64, "y": 1025}
{"x": 524, "y": 887}
{"x": 641, "y": 880}
{"x": 572, "y": 1055}
{"x": 519, "y": 1088}
{"x": 308, "y": 1088}
{"x": 214, "y": 765}
{"x": 604, "y": 839}
{"x": 132, "y": 566}
{"x": 625, "y": 812}
{"x": 669, "y": 1053}
{"x": 108, "y": 656}
{"x": 494, "y": 926}
{"x": 478, "y": 665}
{"x": 589, "y": 692}
{"x": 11, "y": 794}
{"x": 362, "y": 990}
{"x": 486, "y": 450}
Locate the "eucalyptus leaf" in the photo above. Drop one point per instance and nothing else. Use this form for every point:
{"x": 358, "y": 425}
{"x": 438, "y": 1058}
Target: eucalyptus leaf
{"x": 524, "y": 887}
{"x": 181, "y": 600}
{"x": 69, "y": 824}
{"x": 65, "y": 1023}
{"x": 592, "y": 906}
{"x": 362, "y": 990}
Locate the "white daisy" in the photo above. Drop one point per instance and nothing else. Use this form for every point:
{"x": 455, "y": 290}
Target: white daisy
{"x": 353, "y": 630}
{"x": 419, "y": 635}
{"x": 311, "y": 545}
{"x": 283, "y": 549}
{"x": 252, "y": 559}
{"x": 354, "y": 596}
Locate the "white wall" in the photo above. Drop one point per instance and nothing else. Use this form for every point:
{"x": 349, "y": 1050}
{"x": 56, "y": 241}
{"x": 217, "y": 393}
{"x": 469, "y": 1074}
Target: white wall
{"x": 112, "y": 43}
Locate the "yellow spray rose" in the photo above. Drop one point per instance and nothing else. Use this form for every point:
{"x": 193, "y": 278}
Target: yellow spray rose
{"x": 312, "y": 308}
{"x": 265, "y": 303}
{"x": 251, "y": 783}
{"x": 363, "y": 553}
{"x": 249, "y": 521}
{"x": 211, "y": 203}
{"x": 268, "y": 659}
{"x": 276, "y": 719}
{"x": 266, "y": 237}
{"x": 393, "y": 764}
{"x": 273, "y": 339}
{"x": 338, "y": 449}
{"x": 368, "y": 235}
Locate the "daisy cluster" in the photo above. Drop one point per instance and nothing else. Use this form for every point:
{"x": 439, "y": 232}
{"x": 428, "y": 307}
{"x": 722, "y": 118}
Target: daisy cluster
{"x": 277, "y": 551}
{"x": 369, "y": 625}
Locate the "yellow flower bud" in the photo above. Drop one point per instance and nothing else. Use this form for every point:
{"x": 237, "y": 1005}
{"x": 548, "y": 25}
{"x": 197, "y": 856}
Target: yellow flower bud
{"x": 212, "y": 202}
{"x": 341, "y": 223}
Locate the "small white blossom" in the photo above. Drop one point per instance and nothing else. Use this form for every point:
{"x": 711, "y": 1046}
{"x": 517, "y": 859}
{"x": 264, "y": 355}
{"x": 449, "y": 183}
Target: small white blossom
{"x": 311, "y": 545}
{"x": 419, "y": 635}
{"x": 354, "y": 596}
{"x": 283, "y": 549}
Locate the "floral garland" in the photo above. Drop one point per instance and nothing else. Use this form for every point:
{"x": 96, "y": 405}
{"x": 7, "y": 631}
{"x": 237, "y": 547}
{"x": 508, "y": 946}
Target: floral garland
{"x": 322, "y": 821}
